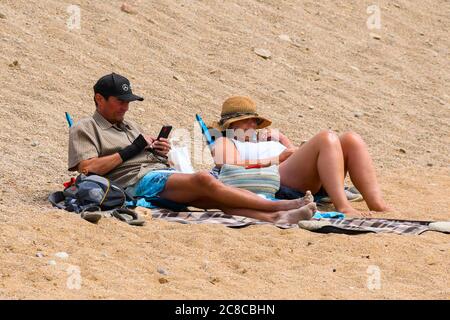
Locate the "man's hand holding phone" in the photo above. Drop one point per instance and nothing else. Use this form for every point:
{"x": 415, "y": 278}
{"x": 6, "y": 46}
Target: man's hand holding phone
{"x": 160, "y": 145}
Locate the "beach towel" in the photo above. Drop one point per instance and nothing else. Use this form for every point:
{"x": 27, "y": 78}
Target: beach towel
{"x": 323, "y": 225}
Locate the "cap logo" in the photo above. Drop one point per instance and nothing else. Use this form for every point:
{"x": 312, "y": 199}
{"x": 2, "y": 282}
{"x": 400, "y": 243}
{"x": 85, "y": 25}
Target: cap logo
{"x": 125, "y": 87}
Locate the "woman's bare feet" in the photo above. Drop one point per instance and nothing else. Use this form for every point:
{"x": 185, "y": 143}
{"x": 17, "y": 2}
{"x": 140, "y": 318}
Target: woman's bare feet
{"x": 351, "y": 212}
{"x": 294, "y": 216}
{"x": 381, "y": 207}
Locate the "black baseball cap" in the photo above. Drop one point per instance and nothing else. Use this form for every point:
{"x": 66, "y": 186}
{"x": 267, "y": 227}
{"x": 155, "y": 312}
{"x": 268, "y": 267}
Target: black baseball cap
{"x": 117, "y": 86}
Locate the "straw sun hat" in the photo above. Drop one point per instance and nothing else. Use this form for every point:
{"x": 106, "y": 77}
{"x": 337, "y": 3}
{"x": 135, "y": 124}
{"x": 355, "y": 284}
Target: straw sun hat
{"x": 239, "y": 108}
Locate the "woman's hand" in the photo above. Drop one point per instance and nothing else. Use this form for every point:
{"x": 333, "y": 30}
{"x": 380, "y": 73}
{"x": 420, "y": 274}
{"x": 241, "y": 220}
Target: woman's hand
{"x": 269, "y": 135}
{"x": 287, "y": 153}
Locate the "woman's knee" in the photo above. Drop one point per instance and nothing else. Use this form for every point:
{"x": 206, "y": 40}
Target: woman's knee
{"x": 351, "y": 138}
{"x": 328, "y": 136}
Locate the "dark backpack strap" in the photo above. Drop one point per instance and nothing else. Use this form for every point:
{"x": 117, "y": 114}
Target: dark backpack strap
{"x": 57, "y": 199}
{"x": 89, "y": 207}
{"x": 128, "y": 195}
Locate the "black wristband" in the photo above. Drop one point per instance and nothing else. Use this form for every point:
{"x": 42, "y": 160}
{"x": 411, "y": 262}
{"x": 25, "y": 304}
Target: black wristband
{"x": 133, "y": 149}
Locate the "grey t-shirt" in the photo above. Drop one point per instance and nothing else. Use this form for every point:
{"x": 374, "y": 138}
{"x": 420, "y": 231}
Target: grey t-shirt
{"x": 96, "y": 137}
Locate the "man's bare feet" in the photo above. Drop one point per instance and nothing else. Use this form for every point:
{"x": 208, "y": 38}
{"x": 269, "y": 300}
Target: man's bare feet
{"x": 294, "y": 216}
{"x": 307, "y": 199}
{"x": 296, "y": 203}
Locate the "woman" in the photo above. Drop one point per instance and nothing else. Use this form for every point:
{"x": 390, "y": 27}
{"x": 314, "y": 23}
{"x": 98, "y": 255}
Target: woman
{"x": 324, "y": 160}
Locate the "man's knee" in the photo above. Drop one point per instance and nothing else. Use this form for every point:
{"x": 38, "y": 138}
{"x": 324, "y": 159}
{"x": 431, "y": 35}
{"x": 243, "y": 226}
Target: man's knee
{"x": 205, "y": 179}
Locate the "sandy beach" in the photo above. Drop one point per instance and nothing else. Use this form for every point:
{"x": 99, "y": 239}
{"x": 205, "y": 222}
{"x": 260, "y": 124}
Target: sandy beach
{"x": 327, "y": 70}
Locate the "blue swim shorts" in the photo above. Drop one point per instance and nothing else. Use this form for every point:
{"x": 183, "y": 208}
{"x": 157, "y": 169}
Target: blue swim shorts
{"x": 148, "y": 188}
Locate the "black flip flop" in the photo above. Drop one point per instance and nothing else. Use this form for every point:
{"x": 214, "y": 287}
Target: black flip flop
{"x": 129, "y": 216}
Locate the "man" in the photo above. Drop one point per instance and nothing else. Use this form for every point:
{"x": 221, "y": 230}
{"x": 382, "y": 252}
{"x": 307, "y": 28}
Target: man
{"x": 106, "y": 144}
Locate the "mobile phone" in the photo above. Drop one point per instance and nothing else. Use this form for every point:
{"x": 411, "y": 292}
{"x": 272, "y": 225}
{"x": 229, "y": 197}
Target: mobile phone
{"x": 164, "y": 133}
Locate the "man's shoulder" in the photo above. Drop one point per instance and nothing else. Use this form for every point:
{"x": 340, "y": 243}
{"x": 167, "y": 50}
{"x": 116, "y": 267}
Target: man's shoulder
{"x": 86, "y": 124}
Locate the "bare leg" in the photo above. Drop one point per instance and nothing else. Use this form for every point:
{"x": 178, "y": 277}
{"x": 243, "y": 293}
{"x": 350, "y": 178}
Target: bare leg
{"x": 319, "y": 161}
{"x": 282, "y": 217}
{"x": 190, "y": 188}
{"x": 278, "y": 217}
{"x": 361, "y": 170}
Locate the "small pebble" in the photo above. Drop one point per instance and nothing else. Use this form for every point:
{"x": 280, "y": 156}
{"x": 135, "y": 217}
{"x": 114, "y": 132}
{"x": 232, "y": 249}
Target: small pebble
{"x": 62, "y": 255}
{"x": 162, "y": 271}
{"x": 15, "y": 63}
{"x": 214, "y": 280}
{"x": 334, "y": 270}
{"x": 128, "y": 8}
{"x": 34, "y": 144}
{"x": 375, "y": 36}
{"x": 358, "y": 114}
{"x": 266, "y": 54}
{"x": 2, "y": 16}
{"x": 163, "y": 280}
{"x": 39, "y": 255}
{"x": 179, "y": 78}
{"x": 284, "y": 37}
{"x": 311, "y": 107}
{"x": 402, "y": 150}
{"x": 429, "y": 164}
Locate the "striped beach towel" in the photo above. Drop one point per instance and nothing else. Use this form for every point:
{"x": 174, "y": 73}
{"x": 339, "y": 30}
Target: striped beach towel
{"x": 343, "y": 226}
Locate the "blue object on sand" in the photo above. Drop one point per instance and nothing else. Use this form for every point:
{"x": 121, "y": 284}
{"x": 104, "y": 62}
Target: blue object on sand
{"x": 328, "y": 215}
{"x": 69, "y": 120}
{"x": 205, "y": 131}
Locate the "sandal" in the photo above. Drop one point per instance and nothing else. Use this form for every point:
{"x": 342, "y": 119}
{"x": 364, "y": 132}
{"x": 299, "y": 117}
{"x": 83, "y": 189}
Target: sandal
{"x": 129, "y": 216}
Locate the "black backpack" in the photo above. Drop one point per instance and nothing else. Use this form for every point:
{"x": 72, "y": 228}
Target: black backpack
{"x": 90, "y": 193}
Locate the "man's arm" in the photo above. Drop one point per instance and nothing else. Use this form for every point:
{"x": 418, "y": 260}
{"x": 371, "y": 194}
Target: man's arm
{"x": 103, "y": 165}
{"x": 100, "y": 166}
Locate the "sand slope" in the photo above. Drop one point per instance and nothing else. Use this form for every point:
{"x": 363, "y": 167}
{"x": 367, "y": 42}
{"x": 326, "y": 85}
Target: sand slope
{"x": 398, "y": 86}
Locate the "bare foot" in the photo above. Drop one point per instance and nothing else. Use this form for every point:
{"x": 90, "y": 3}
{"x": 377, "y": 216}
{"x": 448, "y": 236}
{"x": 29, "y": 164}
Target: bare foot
{"x": 297, "y": 203}
{"x": 382, "y": 208}
{"x": 307, "y": 199}
{"x": 294, "y": 216}
{"x": 351, "y": 212}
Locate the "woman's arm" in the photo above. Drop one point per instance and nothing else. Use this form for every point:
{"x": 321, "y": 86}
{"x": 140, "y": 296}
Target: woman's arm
{"x": 285, "y": 141}
{"x": 275, "y": 135}
{"x": 225, "y": 152}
